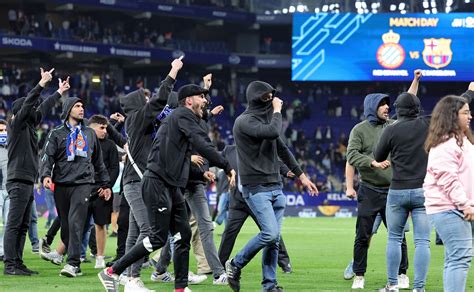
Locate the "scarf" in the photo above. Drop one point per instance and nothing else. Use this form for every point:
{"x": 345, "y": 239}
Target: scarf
{"x": 76, "y": 143}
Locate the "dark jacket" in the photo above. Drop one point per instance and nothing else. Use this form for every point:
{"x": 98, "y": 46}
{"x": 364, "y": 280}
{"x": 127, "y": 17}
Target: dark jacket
{"x": 140, "y": 125}
{"x": 170, "y": 156}
{"x": 196, "y": 172}
{"x": 22, "y": 138}
{"x": 403, "y": 141}
{"x": 80, "y": 171}
{"x": 110, "y": 157}
{"x": 257, "y": 137}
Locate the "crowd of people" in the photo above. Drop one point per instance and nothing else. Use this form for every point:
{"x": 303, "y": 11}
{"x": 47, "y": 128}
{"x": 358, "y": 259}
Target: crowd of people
{"x": 418, "y": 165}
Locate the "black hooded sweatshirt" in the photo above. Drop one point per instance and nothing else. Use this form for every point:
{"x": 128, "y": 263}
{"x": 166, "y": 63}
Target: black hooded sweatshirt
{"x": 22, "y": 138}
{"x": 257, "y": 137}
{"x": 82, "y": 169}
{"x": 179, "y": 135}
{"x": 404, "y": 140}
{"x": 140, "y": 125}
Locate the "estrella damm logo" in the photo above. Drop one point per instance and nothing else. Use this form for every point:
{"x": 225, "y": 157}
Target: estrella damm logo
{"x": 390, "y": 54}
{"x": 437, "y": 53}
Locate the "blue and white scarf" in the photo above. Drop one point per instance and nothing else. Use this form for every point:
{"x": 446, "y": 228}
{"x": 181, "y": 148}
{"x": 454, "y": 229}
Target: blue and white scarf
{"x": 76, "y": 143}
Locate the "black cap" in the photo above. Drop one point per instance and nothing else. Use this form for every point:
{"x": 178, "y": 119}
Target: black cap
{"x": 190, "y": 90}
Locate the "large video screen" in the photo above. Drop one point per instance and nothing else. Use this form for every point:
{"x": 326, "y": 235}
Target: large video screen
{"x": 368, "y": 47}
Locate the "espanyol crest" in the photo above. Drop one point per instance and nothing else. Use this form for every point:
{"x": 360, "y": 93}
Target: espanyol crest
{"x": 437, "y": 53}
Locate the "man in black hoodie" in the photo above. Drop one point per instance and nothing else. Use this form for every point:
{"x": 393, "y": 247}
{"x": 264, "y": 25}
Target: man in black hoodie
{"x": 259, "y": 151}
{"x": 141, "y": 125}
{"x": 167, "y": 173}
{"x": 22, "y": 169}
{"x": 72, "y": 156}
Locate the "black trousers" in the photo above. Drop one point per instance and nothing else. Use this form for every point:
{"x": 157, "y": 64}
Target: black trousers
{"x": 53, "y": 230}
{"x": 122, "y": 222}
{"x": 167, "y": 212}
{"x": 235, "y": 220}
{"x": 369, "y": 204}
{"x": 72, "y": 203}
{"x": 19, "y": 217}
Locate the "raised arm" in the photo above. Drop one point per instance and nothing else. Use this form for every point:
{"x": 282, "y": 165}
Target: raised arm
{"x": 416, "y": 81}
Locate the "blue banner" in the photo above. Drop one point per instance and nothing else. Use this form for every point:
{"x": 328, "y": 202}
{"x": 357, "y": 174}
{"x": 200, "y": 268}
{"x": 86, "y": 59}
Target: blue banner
{"x": 167, "y": 9}
{"x": 367, "y": 47}
{"x": 53, "y": 45}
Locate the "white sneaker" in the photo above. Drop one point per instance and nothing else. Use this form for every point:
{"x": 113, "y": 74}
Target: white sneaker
{"x": 358, "y": 283}
{"x": 99, "y": 262}
{"x": 222, "y": 280}
{"x": 53, "y": 257}
{"x": 187, "y": 290}
{"x": 196, "y": 279}
{"x": 403, "y": 281}
{"x": 136, "y": 285}
{"x": 123, "y": 279}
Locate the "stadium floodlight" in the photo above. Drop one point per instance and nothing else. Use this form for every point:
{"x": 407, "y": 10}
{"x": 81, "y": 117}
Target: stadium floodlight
{"x": 284, "y": 10}
{"x": 426, "y": 4}
{"x": 300, "y": 8}
{"x": 292, "y": 9}
{"x": 317, "y": 10}
{"x": 325, "y": 8}
{"x": 393, "y": 7}
{"x": 427, "y": 11}
{"x": 374, "y": 11}
{"x": 433, "y": 3}
{"x": 401, "y": 6}
{"x": 403, "y": 12}
{"x": 364, "y": 5}
{"x": 448, "y": 9}
{"x": 449, "y": 2}
{"x": 434, "y": 10}
{"x": 467, "y": 1}
{"x": 358, "y": 5}
{"x": 366, "y": 10}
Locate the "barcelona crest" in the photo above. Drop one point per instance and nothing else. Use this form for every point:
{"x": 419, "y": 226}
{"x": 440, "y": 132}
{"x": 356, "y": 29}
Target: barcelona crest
{"x": 437, "y": 53}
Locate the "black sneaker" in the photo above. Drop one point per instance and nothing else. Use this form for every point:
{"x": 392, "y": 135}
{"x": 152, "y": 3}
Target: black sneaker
{"x": 25, "y": 268}
{"x": 15, "y": 272}
{"x": 1, "y": 258}
{"x": 275, "y": 289}
{"x": 44, "y": 246}
{"x": 233, "y": 275}
{"x": 287, "y": 269}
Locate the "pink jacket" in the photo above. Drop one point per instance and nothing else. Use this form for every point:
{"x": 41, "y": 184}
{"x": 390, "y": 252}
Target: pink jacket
{"x": 449, "y": 180}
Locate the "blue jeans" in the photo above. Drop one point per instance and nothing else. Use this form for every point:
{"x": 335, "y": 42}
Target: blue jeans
{"x": 49, "y": 198}
{"x": 268, "y": 208}
{"x": 86, "y": 235}
{"x": 4, "y": 207}
{"x": 33, "y": 229}
{"x": 222, "y": 208}
{"x": 456, "y": 234}
{"x": 399, "y": 204}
